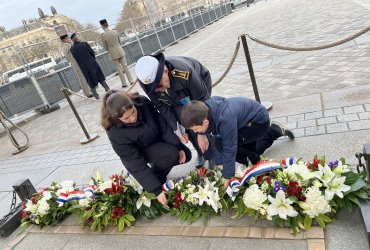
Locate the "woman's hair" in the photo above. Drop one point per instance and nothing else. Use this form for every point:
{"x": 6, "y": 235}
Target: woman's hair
{"x": 115, "y": 104}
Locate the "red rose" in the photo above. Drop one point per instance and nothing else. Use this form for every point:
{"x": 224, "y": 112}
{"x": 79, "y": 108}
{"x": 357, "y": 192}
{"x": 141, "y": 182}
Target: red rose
{"x": 316, "y": 163}
{"x": 303, "y": 198}
{"x": 176, "y": 205}
{"x": 268, "y": 179}
{"x": 24, "y": 214}
{"x": 117, "y": 212}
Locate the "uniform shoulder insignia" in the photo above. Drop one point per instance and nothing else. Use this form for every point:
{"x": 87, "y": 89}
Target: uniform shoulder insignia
{"x": 180, "y": 74}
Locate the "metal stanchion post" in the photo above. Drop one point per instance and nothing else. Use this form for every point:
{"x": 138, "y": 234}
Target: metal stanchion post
{"x": 89, "y": 137}
{"x": 266, "y": 104}
{"x": 11, "y": 136}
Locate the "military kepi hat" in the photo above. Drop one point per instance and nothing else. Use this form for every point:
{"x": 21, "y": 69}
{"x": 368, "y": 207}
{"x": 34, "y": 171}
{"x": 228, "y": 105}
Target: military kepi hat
{"x": 63, "y": 37}
{"x": 103, "y": 21}
{"x": 149, "y": 71}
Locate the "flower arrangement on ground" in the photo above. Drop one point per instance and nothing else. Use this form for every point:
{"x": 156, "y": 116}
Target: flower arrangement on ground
{"x": 292, "y": 193}
{"x": 300, "y": 193}
{"x": 46, "y": 207}
{"x": 200, "y": 194}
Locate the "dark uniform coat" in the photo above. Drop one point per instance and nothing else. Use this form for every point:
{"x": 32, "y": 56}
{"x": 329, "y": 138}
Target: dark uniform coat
{"x": 85, "y": 58}
{"x": 130, "y": 140}
{"x": 227, "y": 117}
{"x": 189, "y": 80}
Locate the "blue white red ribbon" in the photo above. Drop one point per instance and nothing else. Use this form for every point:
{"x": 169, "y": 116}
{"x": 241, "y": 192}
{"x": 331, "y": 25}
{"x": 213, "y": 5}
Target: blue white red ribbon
{"x": 169, "y": 185}
{"x": 260, "y": 168}
{"x": 90, "y": 190}
{"x": 71, "y": 196}
{"x": 289, "y": 161}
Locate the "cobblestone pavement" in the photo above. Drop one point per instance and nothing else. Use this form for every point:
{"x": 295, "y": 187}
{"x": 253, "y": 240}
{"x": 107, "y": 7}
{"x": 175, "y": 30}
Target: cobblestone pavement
{"x": 324, "y": 96}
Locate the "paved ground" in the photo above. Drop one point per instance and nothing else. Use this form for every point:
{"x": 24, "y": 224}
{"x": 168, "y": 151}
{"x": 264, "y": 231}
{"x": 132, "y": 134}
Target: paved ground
{"x": 324, "y": 96}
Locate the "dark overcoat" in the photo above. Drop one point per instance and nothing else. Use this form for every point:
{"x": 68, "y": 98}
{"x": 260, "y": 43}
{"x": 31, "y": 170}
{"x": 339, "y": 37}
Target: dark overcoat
{"x": 130, "y": 140}
{"x": 85, "y": 58}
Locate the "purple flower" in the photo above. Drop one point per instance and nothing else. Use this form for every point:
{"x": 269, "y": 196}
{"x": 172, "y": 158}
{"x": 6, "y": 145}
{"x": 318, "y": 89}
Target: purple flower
{"x": 334, "y": 163}
{"x": 192, "y": 182}
{"x": 201, "y": 180}
{"x": 32, "y": 216}
{"x": 278, "y": 187}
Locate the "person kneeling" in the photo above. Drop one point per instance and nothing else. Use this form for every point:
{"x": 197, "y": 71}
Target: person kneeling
{"x": 140, "y": 137}
{"x": 238, "y": 129}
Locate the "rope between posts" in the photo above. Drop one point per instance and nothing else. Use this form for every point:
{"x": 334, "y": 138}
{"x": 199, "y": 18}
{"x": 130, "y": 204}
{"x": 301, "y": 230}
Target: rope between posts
{"x": 230, "y": 64}
{"x": 282, "y": 47}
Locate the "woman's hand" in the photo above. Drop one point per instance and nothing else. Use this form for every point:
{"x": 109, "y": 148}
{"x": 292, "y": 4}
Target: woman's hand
{"x": 182, "y": 157}
{"x": 162, "y": 198}
{"x": 203, "y": 142}
{"x": 184, "y": 138}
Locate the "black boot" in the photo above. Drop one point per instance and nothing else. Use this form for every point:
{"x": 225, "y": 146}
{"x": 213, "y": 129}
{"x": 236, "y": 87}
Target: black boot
{"x": 281, "y": 130}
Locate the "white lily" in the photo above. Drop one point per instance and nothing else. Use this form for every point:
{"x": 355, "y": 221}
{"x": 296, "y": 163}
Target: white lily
{"x": 105, "y": 185}
{"x": 324, "y": 174}
{"x": 336, "y": 186}
{"x": 281, "y": 206}
{"x": 143, "y": 200}
{"x": 341, "y": 168}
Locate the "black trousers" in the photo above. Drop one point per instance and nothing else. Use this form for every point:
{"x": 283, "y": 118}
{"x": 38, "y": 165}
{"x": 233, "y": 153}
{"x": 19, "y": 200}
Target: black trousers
{"x": 162, "y": 157}
{"x": 253, "y": 141}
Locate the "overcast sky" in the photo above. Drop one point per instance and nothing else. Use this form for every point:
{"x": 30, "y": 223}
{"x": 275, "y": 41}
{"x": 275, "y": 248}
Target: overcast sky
{"x": 13, "y": 11}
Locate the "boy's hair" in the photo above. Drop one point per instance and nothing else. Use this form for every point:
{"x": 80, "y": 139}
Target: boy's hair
{"x": 193, "y": 114}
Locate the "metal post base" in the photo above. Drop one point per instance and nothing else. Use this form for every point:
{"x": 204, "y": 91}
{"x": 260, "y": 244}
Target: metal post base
{"x": 86, "y": 140}
{"x": 267, "y": 105}
{"x": 45, "y": 110}
{"x": 19, "y": 150}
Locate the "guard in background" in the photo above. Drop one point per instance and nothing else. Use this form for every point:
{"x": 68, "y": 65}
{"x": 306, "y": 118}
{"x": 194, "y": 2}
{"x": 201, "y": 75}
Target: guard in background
{"x": 85, "y": 57}
{"x": 111, "y": 43}
{"x": 67, "y": 44}
{"x": 170, "y": 83}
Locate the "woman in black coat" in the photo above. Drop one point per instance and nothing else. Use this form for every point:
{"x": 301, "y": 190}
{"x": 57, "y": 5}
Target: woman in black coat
{"x": 140, "y": 137}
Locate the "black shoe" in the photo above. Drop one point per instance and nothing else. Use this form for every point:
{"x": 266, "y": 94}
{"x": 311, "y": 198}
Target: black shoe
{"x": 282, "y": 130}
{"x": 90, "y": 96}
{"x": 106, "y": 90}
{"x": 132, "y": 83}
{"x": 97, "y": 97}
{"x": 124, "y": 86}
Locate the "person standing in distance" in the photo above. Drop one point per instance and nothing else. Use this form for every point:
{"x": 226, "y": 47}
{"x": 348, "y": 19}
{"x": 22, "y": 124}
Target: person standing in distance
{"x": 111, "y": 43}
{"x": 67, "y": 44}
{"x": 85, "y": 57}
{"x": 172, "y": 82}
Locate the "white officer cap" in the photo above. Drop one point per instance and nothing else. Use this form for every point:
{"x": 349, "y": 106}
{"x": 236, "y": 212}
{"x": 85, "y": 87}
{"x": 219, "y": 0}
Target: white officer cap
{"x": 149, "y": 71}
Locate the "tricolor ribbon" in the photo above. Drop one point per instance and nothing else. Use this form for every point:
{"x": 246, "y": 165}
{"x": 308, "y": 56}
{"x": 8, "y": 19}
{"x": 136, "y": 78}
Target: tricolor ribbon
{"x": 71, "y": 196}
{"x": 90, "y": 190}
{"x": 261, "y": 167}
{"x": 289, "y": 161}
{"x": 169, "y": 185}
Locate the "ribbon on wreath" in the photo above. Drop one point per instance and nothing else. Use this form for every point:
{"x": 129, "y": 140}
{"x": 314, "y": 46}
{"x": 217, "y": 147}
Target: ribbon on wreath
{"x": 261, "y": 167}
{"x": 71, "y": 196}
{"x": 90, "y": 190}
{"x": 169, "y": 185}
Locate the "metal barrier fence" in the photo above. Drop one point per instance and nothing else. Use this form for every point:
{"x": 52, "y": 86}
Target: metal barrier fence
{"x": 20, "y": 96}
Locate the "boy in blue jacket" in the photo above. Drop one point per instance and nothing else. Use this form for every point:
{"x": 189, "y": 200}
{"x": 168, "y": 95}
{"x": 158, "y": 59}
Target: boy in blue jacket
{"x": 238, "y": 129}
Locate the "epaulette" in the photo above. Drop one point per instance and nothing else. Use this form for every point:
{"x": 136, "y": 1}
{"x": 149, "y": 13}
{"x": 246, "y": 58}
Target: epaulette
{"x": 180, "y": 74}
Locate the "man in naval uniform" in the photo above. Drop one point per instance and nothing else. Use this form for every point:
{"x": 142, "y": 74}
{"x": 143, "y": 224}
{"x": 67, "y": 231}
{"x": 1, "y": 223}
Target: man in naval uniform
{"x": 111, "y": 42}
{"x": 172, "y": 82}
{"x": 67, "y": 44}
